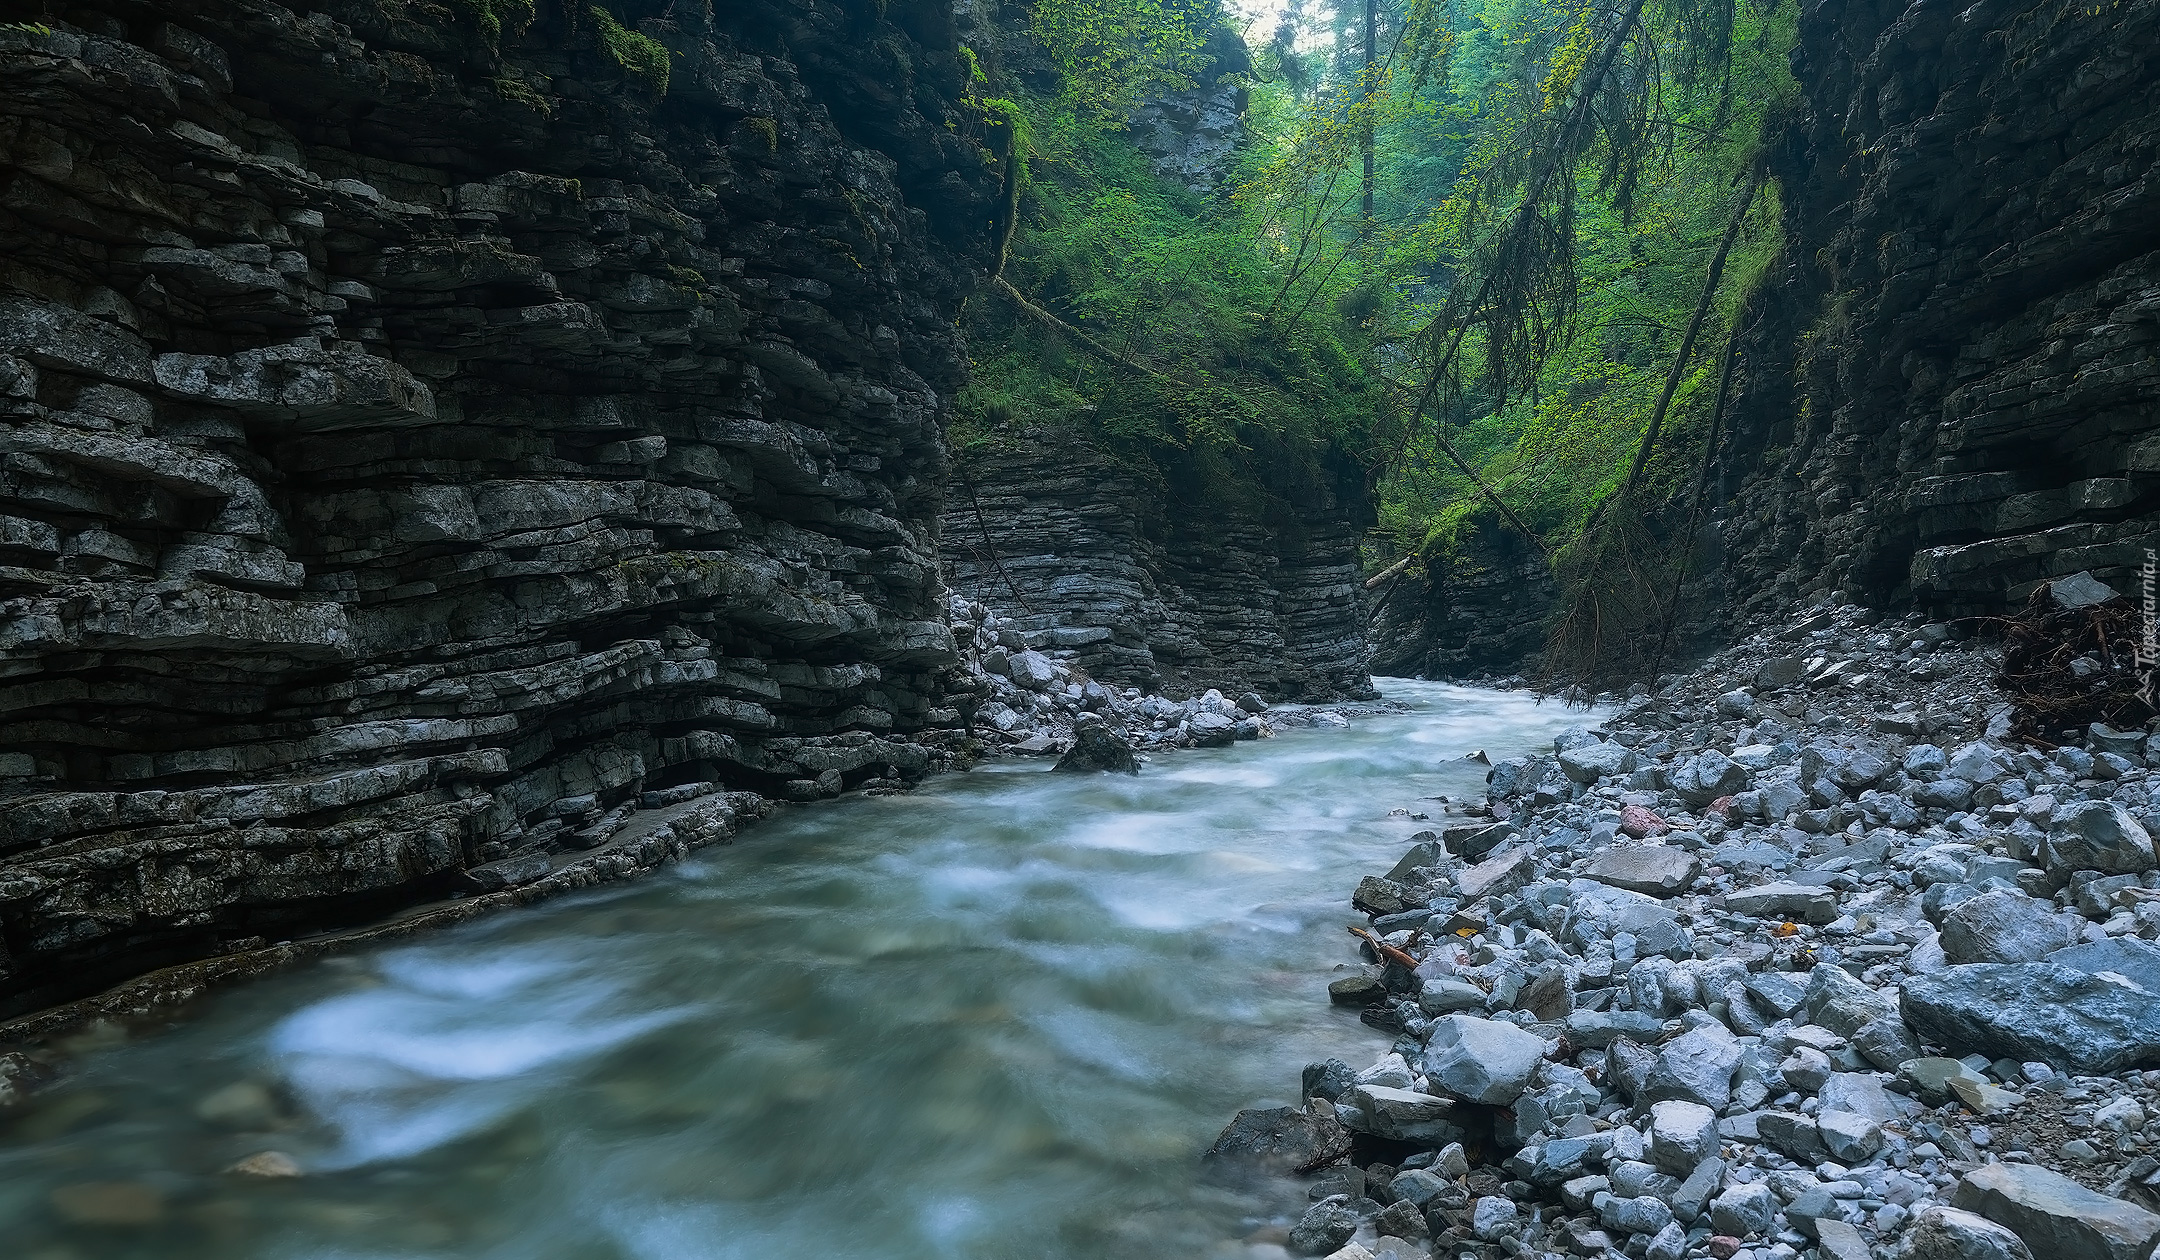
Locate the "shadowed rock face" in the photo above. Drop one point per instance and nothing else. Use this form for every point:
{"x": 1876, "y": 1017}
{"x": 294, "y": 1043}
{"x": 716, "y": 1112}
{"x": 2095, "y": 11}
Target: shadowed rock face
{"x": 417, "y": 457}
{"x": 1180, "y": 582}
{"x": 1951, "y": 387}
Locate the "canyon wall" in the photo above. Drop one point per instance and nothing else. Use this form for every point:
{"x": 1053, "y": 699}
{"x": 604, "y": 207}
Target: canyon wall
{"x": 1238, "y": 575}
{"x": 1954, "y": 384}
{"x": 441, "y": 452}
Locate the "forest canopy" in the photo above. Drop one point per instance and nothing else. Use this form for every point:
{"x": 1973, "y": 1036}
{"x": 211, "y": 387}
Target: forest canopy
{"x": 1496, "y": 251}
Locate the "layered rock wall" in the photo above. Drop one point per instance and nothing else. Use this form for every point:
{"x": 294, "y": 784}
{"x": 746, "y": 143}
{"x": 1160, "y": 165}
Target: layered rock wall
{"x": 1954, "y": 385}
{"x": 418, "y": 454}
{"x": 1167, "y": 578}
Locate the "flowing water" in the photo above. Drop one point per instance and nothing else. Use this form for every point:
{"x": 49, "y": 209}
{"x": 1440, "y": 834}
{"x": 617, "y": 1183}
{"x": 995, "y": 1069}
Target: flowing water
{"x": 998, "y": 1017}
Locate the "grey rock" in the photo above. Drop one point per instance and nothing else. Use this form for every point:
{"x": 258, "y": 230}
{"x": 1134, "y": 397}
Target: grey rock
{"x": 1682, "y": 1135}
{"x": 1694, "y": 1067}
{"x": 2125, "y": 956}
{"x": 1707, "y": 776}
{"x": 1280, "y": 1138}
{"x": 1850, "y": 1138}
{"x": 2057, "y": 1218}
{"x": 1595, "y": 761}
{"x": 1098, "y": 749}
{"x": 1417, "y": 1187}
{"x": 1595, "y": 1030}
{"x": 1212, "y": 730}
{"x": 1947, "y": 1233}
{"x": 1782, "y": 671}
{"x": 1857, "y": 1093}
{"x": 1481, "y": 1060}
{"x": 2002, "y": 927}
{"x": 1493, "y": 1216}
{"x": 1400, "y": 1115}
{"x": 2097, "y": 836}
{"x": 1793, "y": 1135}
{"x": 2079, "y": 590}
{"x": 1744, "y": 1211}
{"x": 1325, "y": 1226}
{"x": 1502, "y": 873}
{"x": 1839, "y": 1240}
{"x": 1885, "y": 1042}
{"x": 2069, "y": 1019}
{"x": 1837, "y": 1000}
{"x": 1656, "y": 870}
{"x": 1642, "y": 1214}
{"x": 1805, "y": 903}
{"x": 1692, "y": 1199}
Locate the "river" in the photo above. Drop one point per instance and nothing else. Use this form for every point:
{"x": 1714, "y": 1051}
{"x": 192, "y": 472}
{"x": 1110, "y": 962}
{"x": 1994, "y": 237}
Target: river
{"x": 997, "y": 1017}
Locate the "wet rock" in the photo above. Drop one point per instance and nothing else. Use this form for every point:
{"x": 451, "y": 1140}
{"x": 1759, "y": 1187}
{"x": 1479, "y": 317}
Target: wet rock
{"x": 1359, "y": 990}
{"x": 1280, "y": 1137}
{"x": 2066, "y": 1018}
{"x": 270, "y": 1164}
{"x": 1327, "y": 1079}
{"x": 2057, "y": 1218}
{"x": 1212, "y": 730}
{"x": 1098, "y": 749}
{"x": 1375, "y": 895}
{"x": 1325, "y": 1226}
{"x": 245, "y": 1105}
{"x": 1481, "y": 1060}
{"x": 1654, "y": 870}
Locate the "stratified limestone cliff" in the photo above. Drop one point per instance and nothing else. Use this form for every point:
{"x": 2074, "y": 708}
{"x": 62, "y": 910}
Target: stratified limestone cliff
{"x": 1232, "y": 576}
{"x": 1954, "y": 387}
{"x": 1479, "y": 609}
{"x": 418, "y": 456}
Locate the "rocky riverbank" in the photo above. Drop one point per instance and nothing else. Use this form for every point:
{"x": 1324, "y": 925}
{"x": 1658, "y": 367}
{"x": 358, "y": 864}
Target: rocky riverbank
{"x": 1804, "y": 954}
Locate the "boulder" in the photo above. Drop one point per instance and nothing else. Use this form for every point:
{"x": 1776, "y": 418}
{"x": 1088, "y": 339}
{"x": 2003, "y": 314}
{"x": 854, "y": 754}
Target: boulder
{"x": 1946, "y": 1233}
{"x": 1747, "y": 1210}
{"x": 2002, "y": 927}
{"x": 2097, "y": 836}
{"x": 2072, "y": 1020}
{"x": 1212, "y": 730}
{"x": 1482, "y": 1060}
{"x": 1592, "y": 762}
{"x": 1840, "y": 1002}
{"x": 1325, "y": 1226}
{"x": 1857, "y": 1093}
{"x": 1032, "y": 670}
{"x": 1682, "y": 1135}
{"x": 1707, "y": 776}
{"x": 1375, "y": 895}
{"x": 1806, "y": 903}
{"x": 1098, "y": 749}
{"x": 2057, "y": 1218}
{"x": 2124, "y": 955}
{"x": 1850, "y": 1138}
{"x": 1656, "y": 870}
{"x": 1503, "y": 873}
{"x": 1399, "y": 1115}
{"x": 1694, "y": 1067}
{"x": 1280, "y": 1138}
{"x": 1791, "y": 1134}
{"x": 2079, "y": 590}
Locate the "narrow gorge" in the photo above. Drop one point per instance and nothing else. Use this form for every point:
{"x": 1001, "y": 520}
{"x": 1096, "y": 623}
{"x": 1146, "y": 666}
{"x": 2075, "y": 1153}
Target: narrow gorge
{"x": 695, "y": 628}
